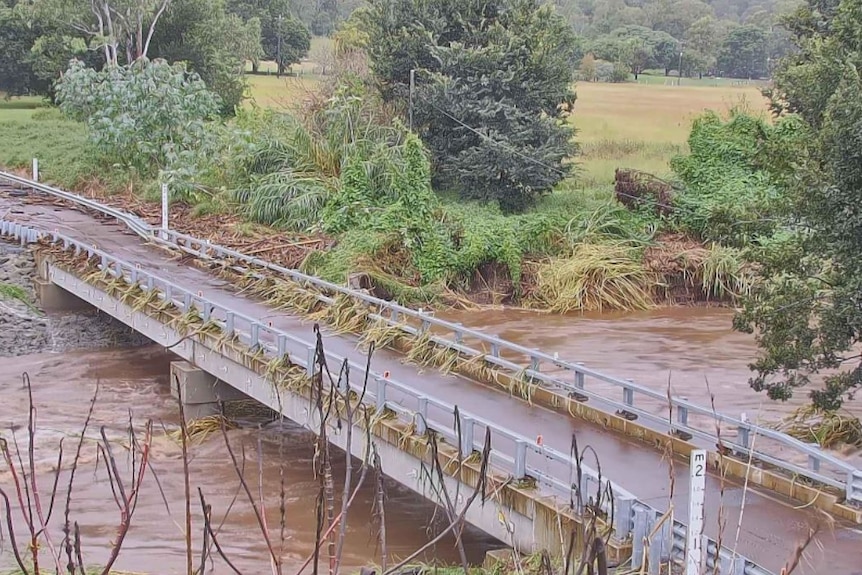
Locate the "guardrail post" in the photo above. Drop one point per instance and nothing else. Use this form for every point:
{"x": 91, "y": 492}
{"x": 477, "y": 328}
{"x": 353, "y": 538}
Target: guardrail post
{"x": 309, "y": 355}
{"x": 623, "y": 510}
{"x": 459, "y": 335}
{"x": 255, "y": 335}
{"x": 579, "y": 377}
{"x": 584, "y": 487}
{"x": 169, "y": 294}
{"x": 814, "y": 462}
{"x": 35, "y": 169}
{"x": 743, "y": 432}
{"x": 282, "y": 346}
{"x": 229, "y": 322}
{"x": 151, "y": 283}
{"x": 381, "y": 394}
{"x": 682, "y": 415}
{"x": 854, "y": 486}
{"x": 629, "y": 395}
{"x": 133, "y": 274}
{"x": 733, "y": 565}
{"x": 467, "y": 424}
{"x": 642, "y": 526}
{"x": 520, "y": 459}
{"x": 187, "y": 301}
{"x": 422, "y": 416}
{"x": 393, "y": 315}
{"x": 495, "y": 350}
{"x": 534, "y": 363}
{"x": 660, "y": 547}
{"x": 344, "y": 381}
{"x": 206, "y": 311}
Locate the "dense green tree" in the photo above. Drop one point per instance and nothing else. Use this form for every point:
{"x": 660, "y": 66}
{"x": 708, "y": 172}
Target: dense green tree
{"x": 807, "y": 310}
{"x": 286, "y": 42}
{"x": 284, "y": 38}
{"x": 148, "y": 116}
{"x": 703, "y": 39}
{"x": 18, "y": 33}
{"x": 212, "y": 42}
{"x": 493, "y": 90}
{"x": 637, "y": 47}
{"x": 677, "y": 16}
{"x": 743, "y": 53}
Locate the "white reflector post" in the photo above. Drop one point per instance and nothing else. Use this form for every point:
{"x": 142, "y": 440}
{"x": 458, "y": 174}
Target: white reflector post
{"x": 164, "y": 211}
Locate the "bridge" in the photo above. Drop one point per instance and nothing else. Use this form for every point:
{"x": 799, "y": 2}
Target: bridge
{"x": 193, "y": 296}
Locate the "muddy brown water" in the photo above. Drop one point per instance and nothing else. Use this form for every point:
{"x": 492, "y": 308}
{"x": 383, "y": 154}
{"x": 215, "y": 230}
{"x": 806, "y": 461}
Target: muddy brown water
{"x": 692, "y": 349}
{"x": 137, "y": 380}
{"x": 771, "y": 526}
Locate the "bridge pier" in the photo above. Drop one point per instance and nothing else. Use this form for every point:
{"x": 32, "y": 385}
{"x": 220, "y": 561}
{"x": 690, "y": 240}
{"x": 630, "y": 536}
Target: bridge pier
{"x": 53, "y": 298}
{"x": 200, "y": 391}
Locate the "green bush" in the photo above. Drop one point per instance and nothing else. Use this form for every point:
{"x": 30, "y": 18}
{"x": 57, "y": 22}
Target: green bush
{"x": 732, "y": 177}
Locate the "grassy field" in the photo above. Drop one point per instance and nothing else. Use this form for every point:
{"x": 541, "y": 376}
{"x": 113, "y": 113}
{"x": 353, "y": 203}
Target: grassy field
{"x": 643, "y": 125}
{"x": 619, "y": 125}
{"x": 30, "y": 129}
{"x": 285, "y": 93}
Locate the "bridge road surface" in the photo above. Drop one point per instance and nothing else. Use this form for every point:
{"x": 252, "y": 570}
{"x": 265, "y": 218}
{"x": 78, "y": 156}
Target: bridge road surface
{"x": 770, "y": 527}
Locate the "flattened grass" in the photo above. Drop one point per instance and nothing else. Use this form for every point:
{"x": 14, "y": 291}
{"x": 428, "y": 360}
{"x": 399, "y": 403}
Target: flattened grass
{"x": 596, "y": 277}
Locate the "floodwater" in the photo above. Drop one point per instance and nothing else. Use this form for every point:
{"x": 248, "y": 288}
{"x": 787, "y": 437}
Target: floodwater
{"x": 692, "y": 349}
{"x": 136, "y": 380}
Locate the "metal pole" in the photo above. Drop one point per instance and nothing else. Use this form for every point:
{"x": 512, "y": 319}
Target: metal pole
{"x": 412, "y": 87}
{"x": 278, "y": 51}
{"x": 681, "y": 49}
{"x": 694, "y": 540}
{"x": 164, "y": 211}
{"x": 35, "y": 169}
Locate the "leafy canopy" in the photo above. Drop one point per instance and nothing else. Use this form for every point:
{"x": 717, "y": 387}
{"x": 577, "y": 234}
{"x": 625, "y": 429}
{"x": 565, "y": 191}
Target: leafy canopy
{"x": 493, "y": 90}
{"x": 807, "y": 311}
{"x": 147, "y": 116}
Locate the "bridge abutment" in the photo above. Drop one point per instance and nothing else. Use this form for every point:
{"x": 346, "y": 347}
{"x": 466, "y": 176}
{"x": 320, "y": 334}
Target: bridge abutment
{"x": 200, "y": 391}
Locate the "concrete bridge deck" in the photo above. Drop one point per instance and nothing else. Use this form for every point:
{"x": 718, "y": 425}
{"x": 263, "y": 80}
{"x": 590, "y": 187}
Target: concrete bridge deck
{"x": 770, "y": 528}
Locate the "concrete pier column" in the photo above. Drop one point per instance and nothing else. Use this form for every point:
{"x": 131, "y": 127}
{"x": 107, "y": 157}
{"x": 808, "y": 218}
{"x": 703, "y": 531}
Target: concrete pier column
{"x": 200, "y": 391}
{"x": 53, "y": 298}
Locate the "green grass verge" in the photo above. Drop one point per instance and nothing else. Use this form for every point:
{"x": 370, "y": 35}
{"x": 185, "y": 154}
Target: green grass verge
{"x": 29, "y": 130}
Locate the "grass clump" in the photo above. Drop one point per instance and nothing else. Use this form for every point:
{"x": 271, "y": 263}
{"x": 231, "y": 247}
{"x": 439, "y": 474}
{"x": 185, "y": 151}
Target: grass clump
{"x": 11, "y": 291}
{"x": 596, "y": 277}
{"x": 827, "y": 429}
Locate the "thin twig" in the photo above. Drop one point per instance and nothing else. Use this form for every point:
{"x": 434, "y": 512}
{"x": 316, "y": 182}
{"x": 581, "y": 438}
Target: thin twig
{"x": 67, "y": 540}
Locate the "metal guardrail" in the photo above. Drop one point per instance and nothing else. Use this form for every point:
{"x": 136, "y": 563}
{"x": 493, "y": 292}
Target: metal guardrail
{"x": 821, "y": 467}
{"x": 632, "y": 518}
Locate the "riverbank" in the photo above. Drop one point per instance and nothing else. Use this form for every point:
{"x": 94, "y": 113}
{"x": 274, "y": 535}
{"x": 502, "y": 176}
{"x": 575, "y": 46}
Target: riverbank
{"x": 578, "y": 249}
{"x": 26, "y": 329}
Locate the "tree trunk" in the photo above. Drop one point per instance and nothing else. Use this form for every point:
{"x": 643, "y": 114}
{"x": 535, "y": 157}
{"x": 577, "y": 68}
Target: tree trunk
{"x": 667, "y": 71}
